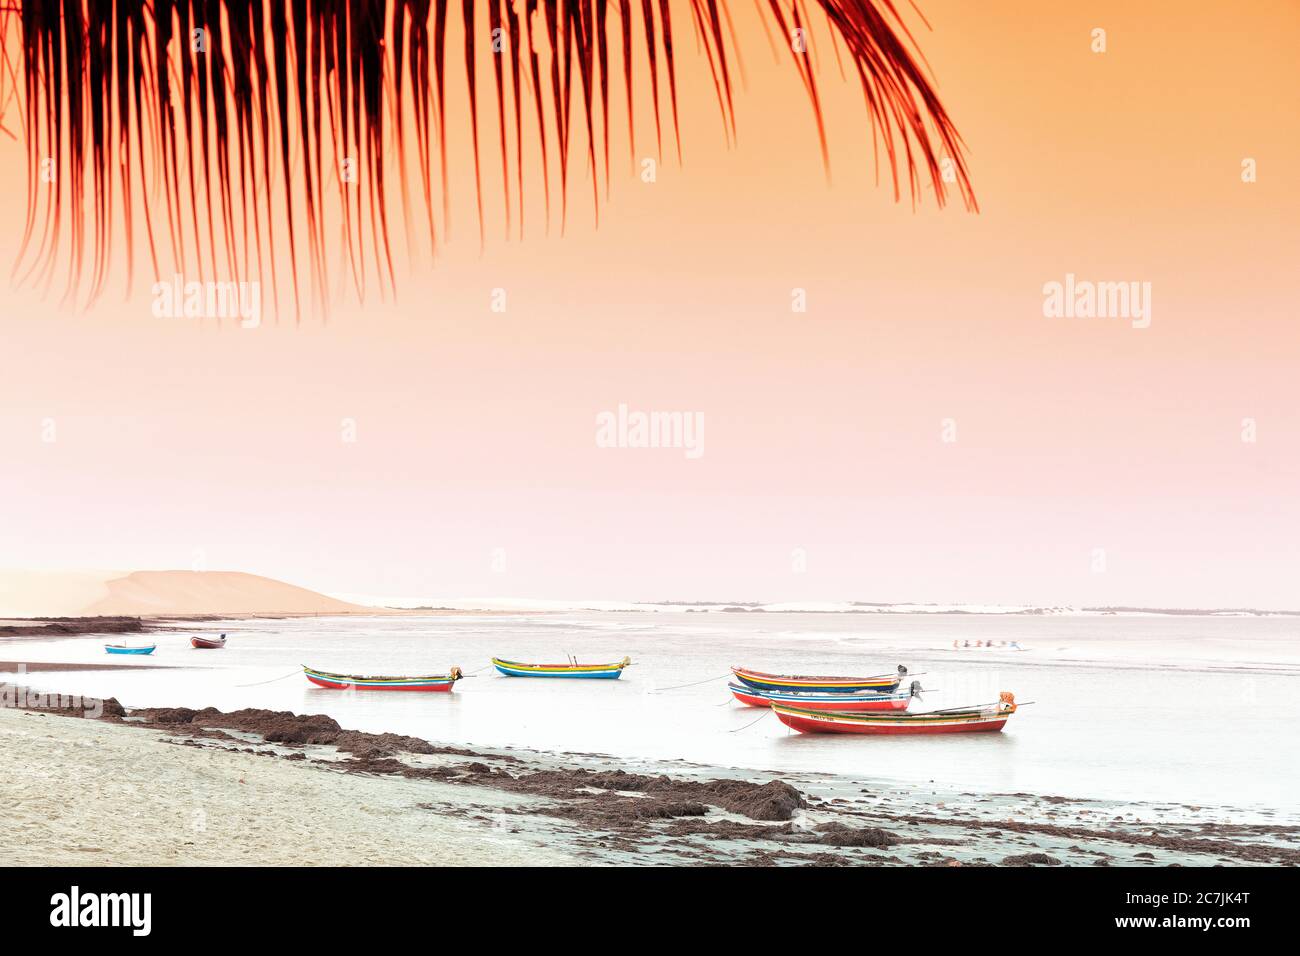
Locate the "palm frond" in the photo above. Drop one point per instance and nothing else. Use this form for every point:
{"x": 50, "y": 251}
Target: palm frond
{"x": 225, "y": 130}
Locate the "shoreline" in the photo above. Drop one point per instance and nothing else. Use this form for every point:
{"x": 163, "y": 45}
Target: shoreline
{"x": 64, "y": 667}
{"x": 13, "y": 629}
{"x": 54, "y": 627}
{"x": 535, "y": 808}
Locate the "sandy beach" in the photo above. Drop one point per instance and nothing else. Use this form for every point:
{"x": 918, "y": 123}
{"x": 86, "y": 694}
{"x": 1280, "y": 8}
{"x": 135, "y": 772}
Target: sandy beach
{"x": 86, "y": 792}
{"x": 176, "y": 786}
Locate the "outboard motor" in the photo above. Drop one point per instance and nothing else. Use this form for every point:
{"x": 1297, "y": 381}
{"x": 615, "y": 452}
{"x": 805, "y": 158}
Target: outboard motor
{"x": 902, "y": 671}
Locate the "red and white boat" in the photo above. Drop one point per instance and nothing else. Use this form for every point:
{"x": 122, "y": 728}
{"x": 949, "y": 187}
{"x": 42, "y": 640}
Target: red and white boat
{"x": 208, "y": 643}
{"x": 989, "y": 718}
{"x": 820, "y": 700}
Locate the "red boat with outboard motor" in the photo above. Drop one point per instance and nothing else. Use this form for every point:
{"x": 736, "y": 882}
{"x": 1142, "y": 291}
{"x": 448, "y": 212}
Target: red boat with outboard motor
{"x": 956, "y": 720}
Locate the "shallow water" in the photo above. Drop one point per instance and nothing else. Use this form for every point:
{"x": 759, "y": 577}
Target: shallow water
{"x": 1191, "y": 710}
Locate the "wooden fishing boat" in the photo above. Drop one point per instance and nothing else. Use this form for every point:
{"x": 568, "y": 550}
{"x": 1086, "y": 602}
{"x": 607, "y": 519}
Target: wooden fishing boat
{"x": 437, "y": 683}
{"x": 816, "y": 700}
{"x": 958, "y": 720}
{"x": 129, "y": 649}
{"x": 826, "y": 685}
{"x": 209, "y": 643}
{"x": 598, "y": 671}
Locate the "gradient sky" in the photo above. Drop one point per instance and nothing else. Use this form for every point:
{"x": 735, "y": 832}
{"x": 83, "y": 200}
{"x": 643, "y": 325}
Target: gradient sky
{"x": 182, "y": 444}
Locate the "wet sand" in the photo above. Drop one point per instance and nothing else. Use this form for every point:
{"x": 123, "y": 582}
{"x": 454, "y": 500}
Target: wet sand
{"x": 282, "y": 788}
{"x": 69, "y": 626}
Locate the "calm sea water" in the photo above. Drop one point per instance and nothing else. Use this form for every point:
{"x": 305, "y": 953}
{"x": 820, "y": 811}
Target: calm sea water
{"x": 1192, "y": 710}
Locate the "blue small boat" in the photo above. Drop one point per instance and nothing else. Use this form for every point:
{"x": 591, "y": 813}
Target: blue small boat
{"x": 128, "y": 649}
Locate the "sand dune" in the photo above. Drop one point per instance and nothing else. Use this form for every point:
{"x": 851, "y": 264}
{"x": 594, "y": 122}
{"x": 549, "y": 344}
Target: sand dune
{"x": 165, "y": 593}
{"x": 51, "y": 593}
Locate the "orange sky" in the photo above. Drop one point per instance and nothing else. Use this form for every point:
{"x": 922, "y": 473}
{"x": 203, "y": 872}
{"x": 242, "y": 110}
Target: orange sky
{"x": 178, "y": 441}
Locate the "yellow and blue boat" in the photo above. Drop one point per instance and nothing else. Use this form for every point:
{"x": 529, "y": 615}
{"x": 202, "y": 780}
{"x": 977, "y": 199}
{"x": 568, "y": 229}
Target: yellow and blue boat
{"x": 573, "y": 669}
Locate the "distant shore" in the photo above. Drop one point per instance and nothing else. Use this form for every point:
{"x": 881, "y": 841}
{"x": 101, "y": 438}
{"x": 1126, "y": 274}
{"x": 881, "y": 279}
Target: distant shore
{"x": 46, "y": 628}
{"x": 271, "y": 788}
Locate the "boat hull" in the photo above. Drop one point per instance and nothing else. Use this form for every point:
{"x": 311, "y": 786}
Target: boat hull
{"x": 130, "y": 650}
{"x": 571, "y": 671}
{"x": 883, "y": 683}
{"x": 204, "y": 644}
{"x": 842, "y": 701}
{"x": 822, "y": 722}
{"x": 426, "y": 685}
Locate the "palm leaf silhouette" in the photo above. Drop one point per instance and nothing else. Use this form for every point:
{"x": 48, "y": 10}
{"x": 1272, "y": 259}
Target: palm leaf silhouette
{"x": 225, "y": 130}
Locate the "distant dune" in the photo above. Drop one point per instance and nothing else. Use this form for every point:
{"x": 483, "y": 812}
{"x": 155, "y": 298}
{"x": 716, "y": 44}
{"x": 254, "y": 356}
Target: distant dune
{"x": 161, "y": 593}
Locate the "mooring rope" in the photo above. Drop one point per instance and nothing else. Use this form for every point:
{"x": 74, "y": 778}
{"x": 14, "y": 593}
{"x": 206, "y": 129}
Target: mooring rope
{"x": 479, "y": 671}
{"x": 272, "y": 680}
{"x": 750, "y": 724}
{"x": 660, "y": 690}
